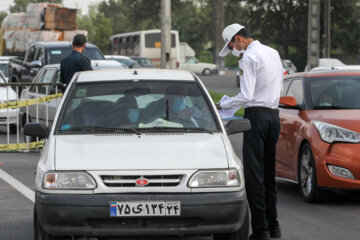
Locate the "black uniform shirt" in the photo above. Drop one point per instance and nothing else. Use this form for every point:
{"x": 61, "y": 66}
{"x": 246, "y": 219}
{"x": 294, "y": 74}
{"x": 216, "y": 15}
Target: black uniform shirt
{"x": 72, "y": 63}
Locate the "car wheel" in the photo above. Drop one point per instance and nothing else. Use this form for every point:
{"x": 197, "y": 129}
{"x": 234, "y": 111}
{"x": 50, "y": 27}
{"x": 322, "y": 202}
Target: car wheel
{"x": 241, "y": 234}
{"x": 206, "y": 72}
{"x": 39, "y": 232}
{"x": 307, "y": 176}
{"x": 237, "y": 81}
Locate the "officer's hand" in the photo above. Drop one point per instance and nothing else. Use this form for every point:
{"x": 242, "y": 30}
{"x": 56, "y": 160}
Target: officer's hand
{"x": 218, "y": 106}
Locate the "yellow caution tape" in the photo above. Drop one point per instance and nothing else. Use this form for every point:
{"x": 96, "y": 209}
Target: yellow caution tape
{"x": 21, "y": 146}
{"x": 28, "y": 102}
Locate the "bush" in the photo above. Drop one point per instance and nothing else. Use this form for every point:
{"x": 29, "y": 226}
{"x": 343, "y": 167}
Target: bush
{"x": 216, "y": 96}
{"x": 205, "y": 56}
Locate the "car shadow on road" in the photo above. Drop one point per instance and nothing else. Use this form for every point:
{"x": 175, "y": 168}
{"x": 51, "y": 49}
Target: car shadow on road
{"x": 289, "y": 189}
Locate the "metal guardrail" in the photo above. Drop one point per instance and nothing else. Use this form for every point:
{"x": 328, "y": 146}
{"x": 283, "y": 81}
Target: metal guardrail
{"x": 17, "y": 109}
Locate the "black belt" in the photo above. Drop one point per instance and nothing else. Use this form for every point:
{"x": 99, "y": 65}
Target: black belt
{"x": 261, "y": 109}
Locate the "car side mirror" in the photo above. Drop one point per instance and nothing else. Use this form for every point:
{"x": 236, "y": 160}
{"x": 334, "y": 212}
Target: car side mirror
{"x": 288, "y": 101}
{"x": 36, "y": 63}
{"x": 36, "y": 130}
{"x": 237, "y": 126}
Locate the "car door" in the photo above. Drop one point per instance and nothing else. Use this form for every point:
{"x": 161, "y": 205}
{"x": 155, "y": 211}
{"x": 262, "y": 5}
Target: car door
{"x": 53, "y": 104}
{"x": 27, "y": 73}
{"x": 291, "y": 123}
{"x": 32, "y": 93}
{"x": 44, "y": 90}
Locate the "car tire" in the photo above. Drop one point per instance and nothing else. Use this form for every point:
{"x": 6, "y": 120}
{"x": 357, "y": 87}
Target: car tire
{"x": 307, "y": 176}
{"x": 39, "y": 232}
{"x": 206, "y": 72}
{"x": 241, "y": 234}
{"x": 237, "y": 81}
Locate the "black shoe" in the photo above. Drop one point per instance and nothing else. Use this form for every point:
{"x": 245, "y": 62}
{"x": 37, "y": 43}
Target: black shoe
{"x": 275, "y": 232}
{"x": 260, "y": 236}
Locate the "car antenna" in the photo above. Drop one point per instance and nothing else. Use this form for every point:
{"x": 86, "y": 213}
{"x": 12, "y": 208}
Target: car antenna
{"x": 135, "y": 72}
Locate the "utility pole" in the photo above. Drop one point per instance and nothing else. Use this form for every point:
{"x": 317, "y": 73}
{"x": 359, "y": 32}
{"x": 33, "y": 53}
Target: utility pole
{"x": 218, "y": 9}
{"x": 313, "y": 34}
{"x": 166, "y": 34}
{"x": 327, "y": 17}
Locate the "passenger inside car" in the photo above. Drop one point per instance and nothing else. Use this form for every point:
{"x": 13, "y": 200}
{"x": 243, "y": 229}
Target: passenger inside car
{"x": 325, "y": 99}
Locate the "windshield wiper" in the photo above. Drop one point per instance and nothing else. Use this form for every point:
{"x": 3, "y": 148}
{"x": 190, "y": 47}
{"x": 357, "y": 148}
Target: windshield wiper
{"x": 331, "y": 107}
{"x": 182, "y": 129}
{"x": 104, "y": 129}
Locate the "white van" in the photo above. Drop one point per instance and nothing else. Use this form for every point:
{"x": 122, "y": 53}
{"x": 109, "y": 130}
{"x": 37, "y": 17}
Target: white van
{"x": 139, "y": 152}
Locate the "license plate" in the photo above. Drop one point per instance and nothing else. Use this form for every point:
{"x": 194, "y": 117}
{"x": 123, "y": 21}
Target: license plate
{"x": 140, "y": 209}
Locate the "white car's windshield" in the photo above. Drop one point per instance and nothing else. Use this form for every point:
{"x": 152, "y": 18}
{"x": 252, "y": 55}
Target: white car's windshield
{"x": 143, "y": 106}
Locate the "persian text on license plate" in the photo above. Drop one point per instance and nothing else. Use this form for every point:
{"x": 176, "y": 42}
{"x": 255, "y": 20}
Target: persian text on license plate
{"x": 135, "y": 209}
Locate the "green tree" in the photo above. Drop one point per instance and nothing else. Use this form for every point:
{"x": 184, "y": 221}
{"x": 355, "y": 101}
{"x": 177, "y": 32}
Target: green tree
{"x": 3, "y": 15}
{"x": 20, "y": 5}
{"x": 98, "y": 27}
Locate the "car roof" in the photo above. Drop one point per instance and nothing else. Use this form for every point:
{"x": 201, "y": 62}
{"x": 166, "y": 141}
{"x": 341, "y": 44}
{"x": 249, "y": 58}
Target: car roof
{"x": 131, "y": 74}
{"x": 117, "y": 56}
{"x": 60, "y": 44}
{"x": 325, "y": 73}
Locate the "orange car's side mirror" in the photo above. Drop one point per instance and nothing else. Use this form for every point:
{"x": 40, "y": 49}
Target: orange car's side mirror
{"x": 288, "y": 101}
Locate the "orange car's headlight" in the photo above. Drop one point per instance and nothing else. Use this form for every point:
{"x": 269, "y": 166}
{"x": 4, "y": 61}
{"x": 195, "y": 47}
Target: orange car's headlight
{"x": 331, "y": 133}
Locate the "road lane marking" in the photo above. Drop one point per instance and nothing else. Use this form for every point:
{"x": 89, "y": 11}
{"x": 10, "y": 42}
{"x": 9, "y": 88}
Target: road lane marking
{"x": 24, "y": 190}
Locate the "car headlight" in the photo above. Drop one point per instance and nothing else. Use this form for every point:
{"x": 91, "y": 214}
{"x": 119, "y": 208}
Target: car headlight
{"x": 215, "y": 178}
{"x": 332, "y": 133}
{"x": 68, "y": 180}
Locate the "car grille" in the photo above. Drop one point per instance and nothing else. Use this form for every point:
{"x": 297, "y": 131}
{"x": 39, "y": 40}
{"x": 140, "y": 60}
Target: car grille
{"x": 130, "y": 180}
{"x": 144, "y": 223}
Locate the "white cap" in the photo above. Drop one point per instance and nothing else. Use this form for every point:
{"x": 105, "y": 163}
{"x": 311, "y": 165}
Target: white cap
{"x": 227, "y": 35}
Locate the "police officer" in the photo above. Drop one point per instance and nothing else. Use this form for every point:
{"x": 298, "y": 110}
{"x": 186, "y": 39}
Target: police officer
{"x": 75, "y": 61}
{"x": 261, "y": 83}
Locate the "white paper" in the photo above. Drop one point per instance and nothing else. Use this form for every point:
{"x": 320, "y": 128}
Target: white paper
{"x": 226, "y": 113}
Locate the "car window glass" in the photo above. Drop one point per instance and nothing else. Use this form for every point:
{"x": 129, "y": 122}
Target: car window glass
{"x": 40, "y": 55}
{"x": 93, "y": 54}
{"x": 296, "y": 90}
{"x": 285, "y": 87}
{"x": 31, "y": 54}
{"x": 2, "y": 79}
{"x": 55, "y": 55}
{"x": 4, "y": 68}
{"x": 47, "y": 78}
{"x": 134, "y": 105}
{"x": 338, "y": 92}
{"x": 37, "y": 79}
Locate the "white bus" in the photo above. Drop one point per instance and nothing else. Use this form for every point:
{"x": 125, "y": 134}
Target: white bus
{"x": 145, "y": 44}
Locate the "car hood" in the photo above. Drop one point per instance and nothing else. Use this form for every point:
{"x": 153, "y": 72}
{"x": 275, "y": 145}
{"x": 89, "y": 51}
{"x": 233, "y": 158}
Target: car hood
{"x": 3, "y": 94}
{"x": 132, "y": 152}
{"x": 349, "y": 119}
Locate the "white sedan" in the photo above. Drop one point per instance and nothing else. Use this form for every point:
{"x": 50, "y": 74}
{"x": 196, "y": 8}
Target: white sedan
{"x": 7, "y": 94}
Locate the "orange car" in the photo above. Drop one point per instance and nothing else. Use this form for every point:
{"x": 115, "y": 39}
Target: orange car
{"x": 319, "y": 142}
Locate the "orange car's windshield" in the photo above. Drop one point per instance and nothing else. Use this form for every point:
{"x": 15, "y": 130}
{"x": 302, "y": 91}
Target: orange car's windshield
{"x": 340, "y": 92}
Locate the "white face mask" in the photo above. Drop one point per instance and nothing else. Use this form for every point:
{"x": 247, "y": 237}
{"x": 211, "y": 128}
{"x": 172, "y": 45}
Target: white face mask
{"x": 236, "y": 52}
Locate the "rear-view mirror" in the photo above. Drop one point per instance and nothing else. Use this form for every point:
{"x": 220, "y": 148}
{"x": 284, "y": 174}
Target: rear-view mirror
{"x": 237, "y": 126}
{"x": 36, "y": 130}
{"x": 36, "y": 63}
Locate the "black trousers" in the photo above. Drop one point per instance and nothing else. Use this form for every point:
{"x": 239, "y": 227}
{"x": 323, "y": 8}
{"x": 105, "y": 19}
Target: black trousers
{"x": 259, "y": 166}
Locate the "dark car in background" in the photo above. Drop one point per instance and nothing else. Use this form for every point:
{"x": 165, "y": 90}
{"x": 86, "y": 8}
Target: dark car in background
{"x": 144, "y": 62}
{"x": 44, "y": 53}
{"x": 124, "y": 60}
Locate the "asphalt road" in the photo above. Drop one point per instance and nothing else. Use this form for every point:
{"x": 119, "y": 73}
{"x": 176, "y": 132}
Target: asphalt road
{"x": 336, "y": 219}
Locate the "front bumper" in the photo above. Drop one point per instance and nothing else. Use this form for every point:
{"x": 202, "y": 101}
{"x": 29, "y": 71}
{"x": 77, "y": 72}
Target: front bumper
{"x": 88, "y": 215}
{"x": 8, "y": 116}
{"x": 345, "y": 155}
